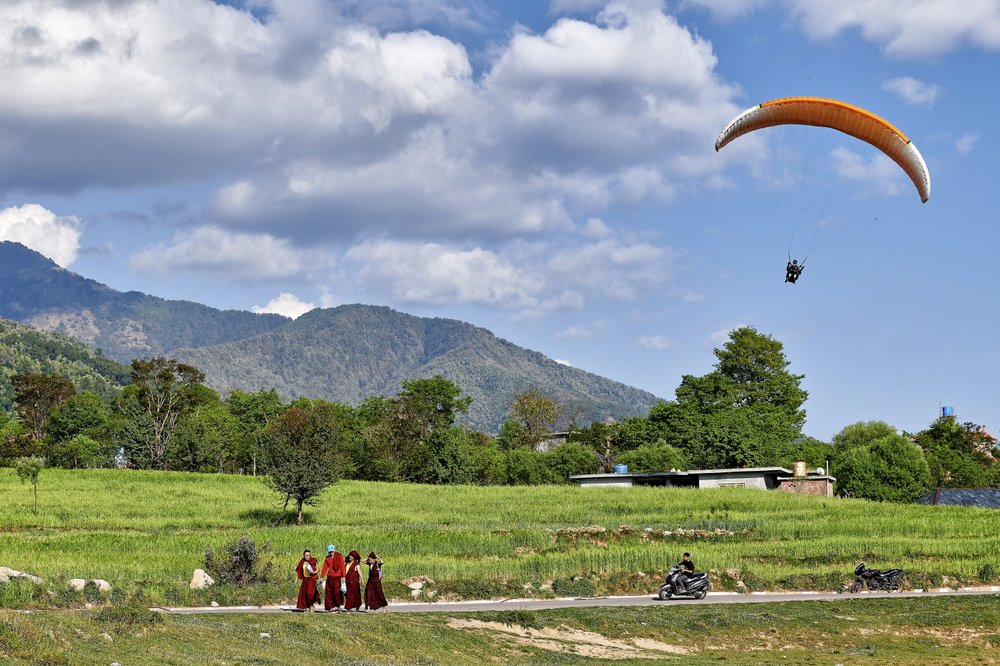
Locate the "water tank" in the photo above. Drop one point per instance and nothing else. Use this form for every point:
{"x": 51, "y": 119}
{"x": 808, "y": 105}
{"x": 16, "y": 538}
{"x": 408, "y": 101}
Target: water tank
{"x": 799, "y": 469}
{"x": 621, "y": 469}
{"x": 947, "y": 410}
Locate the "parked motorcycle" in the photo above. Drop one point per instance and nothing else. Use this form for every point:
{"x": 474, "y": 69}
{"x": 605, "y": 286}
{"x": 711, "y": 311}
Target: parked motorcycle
{"x": 873, "y": 579}
{"x": 696, "y": 585}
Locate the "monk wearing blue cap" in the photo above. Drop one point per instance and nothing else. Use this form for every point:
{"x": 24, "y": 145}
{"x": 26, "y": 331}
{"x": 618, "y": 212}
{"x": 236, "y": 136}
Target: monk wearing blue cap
{"x": 333, "y": 573}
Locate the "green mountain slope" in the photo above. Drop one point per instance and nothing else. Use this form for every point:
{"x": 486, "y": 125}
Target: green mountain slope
{"x": 24, "y": 349}
{"x": 125, "y": 325}
{"x": 354, "y": 351}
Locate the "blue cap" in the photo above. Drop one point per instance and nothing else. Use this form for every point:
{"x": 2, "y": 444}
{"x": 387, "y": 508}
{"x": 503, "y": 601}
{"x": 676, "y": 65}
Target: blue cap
{"x": 331, "y": 548}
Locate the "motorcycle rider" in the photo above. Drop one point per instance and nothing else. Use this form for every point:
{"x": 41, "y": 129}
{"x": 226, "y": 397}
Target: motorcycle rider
{"x": 687, "y": 570}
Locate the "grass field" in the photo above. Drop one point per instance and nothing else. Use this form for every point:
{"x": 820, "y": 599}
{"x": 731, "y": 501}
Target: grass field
{"x": 147, "y": 531}
{"x": 855, "y": 632}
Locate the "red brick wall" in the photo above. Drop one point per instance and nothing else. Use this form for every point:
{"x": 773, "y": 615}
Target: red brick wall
{"x": 820, "y": 487}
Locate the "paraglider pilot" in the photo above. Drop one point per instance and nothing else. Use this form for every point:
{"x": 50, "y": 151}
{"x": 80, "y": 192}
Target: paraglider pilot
{"x": 793, "y": 270}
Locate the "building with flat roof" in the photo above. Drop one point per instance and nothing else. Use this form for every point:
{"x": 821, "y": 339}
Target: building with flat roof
{"x": 762, "y": 478}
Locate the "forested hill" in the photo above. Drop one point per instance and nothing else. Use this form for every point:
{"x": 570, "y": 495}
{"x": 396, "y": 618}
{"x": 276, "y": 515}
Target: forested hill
{"x": 24, "y": 349}
{"x": 125, "y": 325}
{"x": 355, "y": 351}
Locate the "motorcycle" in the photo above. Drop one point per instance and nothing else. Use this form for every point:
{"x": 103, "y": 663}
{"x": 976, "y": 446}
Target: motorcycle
{"x": 874, "y": 579}
{"x": 696, "y": 585}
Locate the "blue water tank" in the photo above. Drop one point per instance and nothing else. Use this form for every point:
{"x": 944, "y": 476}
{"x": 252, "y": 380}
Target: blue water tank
{"x": 621, "y": 469}
{"x": 947, "y": 410}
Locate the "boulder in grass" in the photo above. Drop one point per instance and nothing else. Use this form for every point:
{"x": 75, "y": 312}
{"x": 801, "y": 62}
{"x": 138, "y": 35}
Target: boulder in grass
{"x": 7, "y": 574}
{"x": 77, "y": 584}
{"x": 200, "y": 580}
{"x": 102, "y": 585}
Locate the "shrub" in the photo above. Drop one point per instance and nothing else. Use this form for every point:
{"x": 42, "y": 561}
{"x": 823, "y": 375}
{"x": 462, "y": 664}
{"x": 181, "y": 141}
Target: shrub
{"x": 239, "y": 563}
{"x": 577, "y": 586}
{"x": 129, "y": 616}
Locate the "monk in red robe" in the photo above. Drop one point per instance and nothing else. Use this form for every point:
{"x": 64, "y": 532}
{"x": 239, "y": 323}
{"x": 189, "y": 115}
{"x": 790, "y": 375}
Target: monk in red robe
{"x": 333, "y": 573}
{"x": 353, "y": 578}
{"x": 374, "y": 596}
{"x": 307, "y": 571}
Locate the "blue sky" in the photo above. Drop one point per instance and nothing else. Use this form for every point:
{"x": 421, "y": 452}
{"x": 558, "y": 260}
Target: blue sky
{"x": 542, "y": 169}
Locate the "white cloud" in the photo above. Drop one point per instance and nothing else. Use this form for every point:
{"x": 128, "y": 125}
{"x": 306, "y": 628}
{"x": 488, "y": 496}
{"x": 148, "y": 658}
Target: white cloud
{"x": 241, "y": 256}
{"x": 286, "y": 304}
{"x": 965, "y": 143}
{"x": 720, "y": 337}
{"x": 727, "y": 10}
{"x": 912, "y": 91}
{"x": 877, "y": 174}
{"x": 655, "y": 342}
{"x": 563, "y": 362}
{"x": 594, "y": 329}
{"x": 34, "y": 226}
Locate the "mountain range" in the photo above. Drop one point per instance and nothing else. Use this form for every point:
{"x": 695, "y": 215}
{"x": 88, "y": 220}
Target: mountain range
{"x": 345, "y": 353}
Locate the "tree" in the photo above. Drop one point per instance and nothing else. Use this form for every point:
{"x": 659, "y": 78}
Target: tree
{"x": 536, "y": 413}
{"x": 253, "y": 411}
{"x": 569, "y": 459}
{"x": 301, "y": 463}
{"x": 959, "y": 453}
{"x": 872, "y": 461}
{"x": 653, "y": 458}
{"x": 205, "y": 440}
{"x": 36, "y": 395}
{"x": 77, "y": 452}
{"x": 28, "y": 469}
{"x": 83, "y": 415}
{"x": 167, "y": 390}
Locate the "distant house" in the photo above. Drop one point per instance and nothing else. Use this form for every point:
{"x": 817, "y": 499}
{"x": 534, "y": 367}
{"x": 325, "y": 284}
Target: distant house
{"x": 763, "y": 478}
{"x": 987, "y": 498}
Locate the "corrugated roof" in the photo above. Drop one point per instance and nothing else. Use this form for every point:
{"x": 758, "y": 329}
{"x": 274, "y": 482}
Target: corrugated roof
{"x": 987, "y": 498}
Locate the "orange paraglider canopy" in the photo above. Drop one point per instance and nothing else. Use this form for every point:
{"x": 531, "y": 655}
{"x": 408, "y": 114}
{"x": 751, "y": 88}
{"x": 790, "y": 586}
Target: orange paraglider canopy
{"x": 841, "y": 116}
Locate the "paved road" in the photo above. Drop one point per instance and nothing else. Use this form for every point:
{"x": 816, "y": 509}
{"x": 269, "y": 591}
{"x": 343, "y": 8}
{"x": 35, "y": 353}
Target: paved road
{"x": 598, "y": 602}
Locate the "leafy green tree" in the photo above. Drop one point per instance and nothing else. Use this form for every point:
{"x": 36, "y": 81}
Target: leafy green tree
{"x": 253, "y": 411}
{"x": 301, "y": 463}
{"x": 653, "y": 458}
{"x": 36, "y": 395}
{"x": 872, "y": 461}
{"x": 167, "y": 390}
{"x": 570, "y": 459}
{"x": 132, "y": 429}
{"x": 28, "y": 469}
{"x": 487, "y": 463}
{"x": 959, "y": 453}
{"x": 86, "y": 415}
{"x": 813, "y": 452}
{"x": 206, "y": 440}
{"x": 77, "y": 452}
{"x": 528, "y": 468}
{"x": 536, "y": 413}
{"x": 13, "y": 443}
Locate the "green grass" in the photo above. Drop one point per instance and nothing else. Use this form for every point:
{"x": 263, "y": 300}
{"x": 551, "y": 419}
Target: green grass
{"x": 859, "y": 632}
{"x": 147, "y": 531}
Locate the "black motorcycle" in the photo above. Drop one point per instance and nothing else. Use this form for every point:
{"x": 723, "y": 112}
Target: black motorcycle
{"x": 873, "y": 579}
{"x": 696, "y": 585}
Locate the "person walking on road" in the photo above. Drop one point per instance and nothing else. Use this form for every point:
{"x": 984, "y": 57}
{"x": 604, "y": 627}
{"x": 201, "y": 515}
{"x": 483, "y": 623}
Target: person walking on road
{"x": 353, "y": 577}
{"x": 307, "y": 571}
{"x": 374, "y": 596}
{"x": 333, "y": 574}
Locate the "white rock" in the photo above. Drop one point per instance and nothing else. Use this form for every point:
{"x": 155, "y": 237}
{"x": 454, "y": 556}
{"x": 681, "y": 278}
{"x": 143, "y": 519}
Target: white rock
{"x": 214, "y": 604}
{"x": 88, "y": 605}
{"x": 6, "y": 573}
{"x": 77, "y": 584}
{"x": 264, "y": 634}
{"x": 102, "y": 585}
{"x": 416, "y": 585}
{"x": 415, "y": 593}
{"x": 200, "y": 580}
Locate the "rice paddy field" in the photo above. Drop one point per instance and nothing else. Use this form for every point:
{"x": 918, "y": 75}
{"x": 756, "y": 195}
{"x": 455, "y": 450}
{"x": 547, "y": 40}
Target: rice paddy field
{"x": 146, "y": 532}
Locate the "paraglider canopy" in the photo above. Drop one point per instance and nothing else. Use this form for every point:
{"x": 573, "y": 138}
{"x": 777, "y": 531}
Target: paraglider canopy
{"x": 841, "y": 116}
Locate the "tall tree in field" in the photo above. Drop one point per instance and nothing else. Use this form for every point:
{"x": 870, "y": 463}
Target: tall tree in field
{"x": 28, "y": 469}
{"x": 301, "y": 463}
{"x": 253, "y": 412}
{"x": 166, "y": 389}
{"x": 960, "y": 455}
{"x": 873, "y": 461}
{"x": 536, "y": 413}
{"x": 745, "y": 412}
{"x": 36, "y": 395}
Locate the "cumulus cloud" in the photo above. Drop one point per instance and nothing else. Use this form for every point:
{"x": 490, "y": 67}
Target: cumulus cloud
{"x": 876, "y": 174}
{"x": 285, "y": 304}
{"x": 34, "y": 226}
{"x": 658, "y": 342}
{"x": 912, "y": 91}
{"x": 965, "y": 143}
{"x": 584, "y": 331}
{"x": 240, "y": 256}
{"x": 532, "y": 279}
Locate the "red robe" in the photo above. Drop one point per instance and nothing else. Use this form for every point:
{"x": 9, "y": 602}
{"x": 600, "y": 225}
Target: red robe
{"x": 333, "y": 572}
{"x": 307, "y": 591}
{"x": 353, "y": 576}
{"x": 374, "y": 596}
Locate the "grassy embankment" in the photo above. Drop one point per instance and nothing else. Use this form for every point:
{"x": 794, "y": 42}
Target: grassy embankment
{"x": 147, "y": 531}
{"x": 855, "y": 632}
